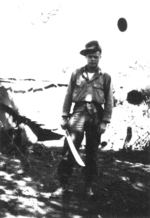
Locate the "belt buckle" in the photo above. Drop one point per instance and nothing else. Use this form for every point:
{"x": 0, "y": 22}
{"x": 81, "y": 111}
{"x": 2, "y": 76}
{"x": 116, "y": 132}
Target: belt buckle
{"x": 89, "y": 105}
{"x": 89, "y": 102}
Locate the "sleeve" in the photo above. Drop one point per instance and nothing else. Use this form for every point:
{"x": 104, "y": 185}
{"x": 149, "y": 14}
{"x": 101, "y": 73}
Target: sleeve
{"x": 68, "y": 97}
{"x": 108, "y": 105}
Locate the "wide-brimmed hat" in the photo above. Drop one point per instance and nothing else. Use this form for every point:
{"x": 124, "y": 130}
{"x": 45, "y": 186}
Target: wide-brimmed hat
{"x": 90, "y": 47}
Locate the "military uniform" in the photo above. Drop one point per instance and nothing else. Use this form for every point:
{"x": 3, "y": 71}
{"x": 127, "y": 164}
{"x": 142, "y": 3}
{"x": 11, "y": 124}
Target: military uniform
{"x": 90, "y": 90}
{"x": 93, "y": 102}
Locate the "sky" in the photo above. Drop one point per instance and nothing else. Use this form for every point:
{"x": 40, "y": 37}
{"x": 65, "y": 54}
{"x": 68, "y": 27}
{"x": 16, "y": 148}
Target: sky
{"x": 40, "y": 38}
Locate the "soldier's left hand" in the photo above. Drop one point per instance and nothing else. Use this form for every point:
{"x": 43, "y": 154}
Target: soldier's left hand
{"x": 102, "y": 127}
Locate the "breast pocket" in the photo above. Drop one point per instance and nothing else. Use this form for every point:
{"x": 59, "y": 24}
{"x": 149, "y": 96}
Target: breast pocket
{"x": 98, "y": 90}
{"x": 78, "y": 91}
{"x": 98, "y": 86}
{"x": 78, "y": 85}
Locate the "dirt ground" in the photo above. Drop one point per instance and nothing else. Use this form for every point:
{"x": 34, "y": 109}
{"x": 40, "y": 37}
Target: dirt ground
{"x": 122, "y": 188}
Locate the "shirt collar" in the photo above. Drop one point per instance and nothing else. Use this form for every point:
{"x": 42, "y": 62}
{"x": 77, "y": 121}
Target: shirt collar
{"x": 98, "y": 72}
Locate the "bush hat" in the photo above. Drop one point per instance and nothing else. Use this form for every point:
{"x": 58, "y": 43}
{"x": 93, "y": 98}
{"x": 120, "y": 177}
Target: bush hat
{"x": 90, "y": 47}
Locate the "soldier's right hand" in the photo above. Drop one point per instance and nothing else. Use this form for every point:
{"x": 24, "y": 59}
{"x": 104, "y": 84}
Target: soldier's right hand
{"x": 64, "y": 122}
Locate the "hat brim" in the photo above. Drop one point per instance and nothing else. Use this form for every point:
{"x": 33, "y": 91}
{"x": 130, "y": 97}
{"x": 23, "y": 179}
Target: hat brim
{"x": 84, "y": 52}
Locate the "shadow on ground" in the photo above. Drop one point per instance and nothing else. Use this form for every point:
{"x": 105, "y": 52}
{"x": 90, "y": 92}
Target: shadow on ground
{"x": 121, "y": 189}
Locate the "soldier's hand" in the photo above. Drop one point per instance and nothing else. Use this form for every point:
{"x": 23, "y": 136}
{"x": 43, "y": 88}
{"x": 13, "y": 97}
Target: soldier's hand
{"x": 64, "y": 122}
{"x": 102, "y": 127}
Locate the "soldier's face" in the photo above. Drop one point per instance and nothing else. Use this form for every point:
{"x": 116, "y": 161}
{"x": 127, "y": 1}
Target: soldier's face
{"x": 93, "y": 59}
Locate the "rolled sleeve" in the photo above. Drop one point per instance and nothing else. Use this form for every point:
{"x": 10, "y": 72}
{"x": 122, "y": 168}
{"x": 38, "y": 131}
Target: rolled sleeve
{"x": 68, "y": 98}
{"x": 108, "y": 105}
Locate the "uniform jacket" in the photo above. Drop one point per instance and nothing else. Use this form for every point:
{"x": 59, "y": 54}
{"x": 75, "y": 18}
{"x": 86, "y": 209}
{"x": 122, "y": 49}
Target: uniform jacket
{"x": 98, "y": 89}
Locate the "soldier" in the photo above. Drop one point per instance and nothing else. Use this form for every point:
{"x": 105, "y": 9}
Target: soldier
{"x": 90, "y": 89}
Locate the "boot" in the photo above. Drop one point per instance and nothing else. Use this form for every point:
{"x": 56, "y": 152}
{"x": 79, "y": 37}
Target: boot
{"x": 88, "y": 189}
{"x": 88, "y": 192}
{"x": 61, "y": 191}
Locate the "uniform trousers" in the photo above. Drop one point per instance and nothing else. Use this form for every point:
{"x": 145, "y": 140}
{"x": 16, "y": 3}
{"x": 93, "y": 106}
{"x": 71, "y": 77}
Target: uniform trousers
{"x": 79, "y": 123}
